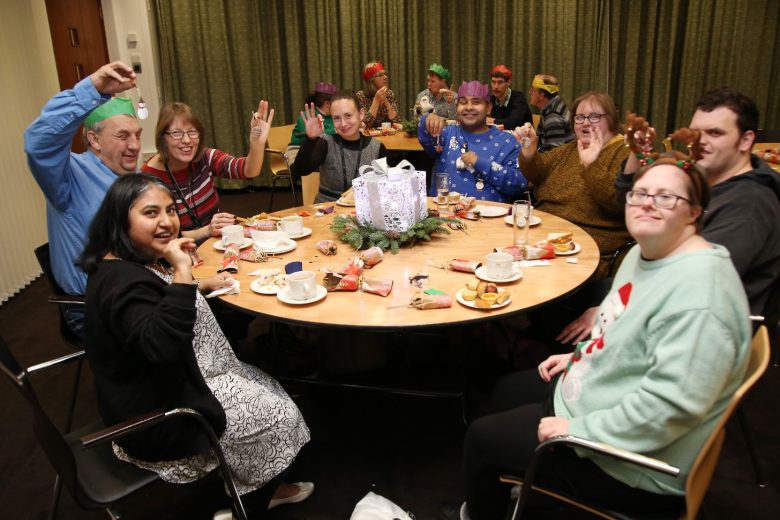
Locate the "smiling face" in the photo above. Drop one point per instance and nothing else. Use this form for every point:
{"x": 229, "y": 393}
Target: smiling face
{"x": 346, "y": 118}
{"x": 649, "y": 224}
{"x": 435, "y": 83}
{"x": 380, "y": 79}
{"x": 153, "y": 222}
{"x": 472, "y": 113}
{"x": 725, "y": 150}
{"x": 181, "y": 152}
{"x": 118, "y": 143}
{"x": 584, "y": 130}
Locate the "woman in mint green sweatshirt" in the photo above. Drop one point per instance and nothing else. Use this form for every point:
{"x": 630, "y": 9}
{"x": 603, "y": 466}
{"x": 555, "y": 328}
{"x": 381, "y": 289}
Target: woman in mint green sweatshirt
{"x": 668, "y": 350}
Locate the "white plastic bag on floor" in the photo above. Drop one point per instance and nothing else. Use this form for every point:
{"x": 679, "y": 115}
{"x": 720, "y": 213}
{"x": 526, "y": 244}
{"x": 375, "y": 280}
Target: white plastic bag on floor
{"x": 377, "y": 507}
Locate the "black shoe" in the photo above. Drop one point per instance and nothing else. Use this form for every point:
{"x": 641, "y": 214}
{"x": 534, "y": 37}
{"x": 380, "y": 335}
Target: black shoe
{"x": 450, "y": 512}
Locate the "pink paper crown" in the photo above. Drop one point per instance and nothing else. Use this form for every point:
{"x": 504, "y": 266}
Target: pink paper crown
{"x": 474, "y": 89}
{"x": 324, "y": 87}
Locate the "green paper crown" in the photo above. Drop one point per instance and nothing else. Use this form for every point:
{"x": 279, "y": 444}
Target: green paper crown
{"x": 441, "y": 71}
{"x": 113, "y": 107}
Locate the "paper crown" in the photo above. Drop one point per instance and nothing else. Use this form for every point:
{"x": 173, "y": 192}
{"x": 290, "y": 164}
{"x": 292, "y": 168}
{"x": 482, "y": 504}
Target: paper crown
{"x": 503, "y": 70}
{"x": 372, "y": 70}
{"x": 539, "y": 83}
{"x": 440, "y": 71}
{"x": 474, "y": 89}
{"x": 323, "y": 87}
{"x": 113, "y": 107}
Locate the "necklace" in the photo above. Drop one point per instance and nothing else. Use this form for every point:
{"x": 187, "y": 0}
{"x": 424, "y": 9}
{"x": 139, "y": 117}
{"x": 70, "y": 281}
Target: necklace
{"x": 191, "y": 210}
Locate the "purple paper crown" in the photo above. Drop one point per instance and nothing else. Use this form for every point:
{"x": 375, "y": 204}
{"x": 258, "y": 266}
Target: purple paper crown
{"x": 324, "y": 87}
{"x": 474, "y": 89}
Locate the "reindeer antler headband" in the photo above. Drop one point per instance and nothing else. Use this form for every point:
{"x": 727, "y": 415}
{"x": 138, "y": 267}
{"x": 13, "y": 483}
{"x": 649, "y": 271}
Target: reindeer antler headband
{"x": 639, "y": 137}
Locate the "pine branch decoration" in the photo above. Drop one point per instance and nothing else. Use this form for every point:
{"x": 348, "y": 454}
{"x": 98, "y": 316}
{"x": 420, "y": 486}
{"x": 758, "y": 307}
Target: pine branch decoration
{"x": 362, "y": 236}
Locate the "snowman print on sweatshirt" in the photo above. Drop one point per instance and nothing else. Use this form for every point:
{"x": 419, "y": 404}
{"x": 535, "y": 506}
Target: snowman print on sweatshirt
{"x": 579, "y": 364}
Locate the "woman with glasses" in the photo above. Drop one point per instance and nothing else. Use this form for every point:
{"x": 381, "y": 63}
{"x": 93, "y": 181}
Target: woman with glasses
{"x": 376, "y": 99}
{"x": 187, "y": 166}
{"x": 575, "y": 181}
{"x": 667, "y": 352}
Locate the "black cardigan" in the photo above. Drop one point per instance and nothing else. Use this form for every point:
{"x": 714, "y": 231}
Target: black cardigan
{"x": 138, "y": 336}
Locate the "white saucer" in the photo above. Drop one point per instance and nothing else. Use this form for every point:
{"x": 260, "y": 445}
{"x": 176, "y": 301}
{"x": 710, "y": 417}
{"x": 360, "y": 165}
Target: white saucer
{"x": 491, "y": 211}
{"x": 284, "y": 296}
{"x": 259, "y": 287}
{"x": 306, "y": 232}
{"x": 284, "y": 247}
{"x": 221, "y": 247}
{"x": 481, "y": 273}
{"x": 342, "y": 203}
{"x": 577, "y": 249}
{"x": 459, "y": 297}
{"x": 535, "y": 221}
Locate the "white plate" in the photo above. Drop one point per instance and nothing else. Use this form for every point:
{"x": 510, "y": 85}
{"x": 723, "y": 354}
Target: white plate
{"x": 221, "y": 247}
{"x": 535, "y": 221}
{"x": 481, "y": 273}
{"x": 459, "y": 297}
{"x": 284, "y": 247}
{"x": 340, "y": 202}
{"x": 260, "y": 286}
{"x": 577, "y": 249}
{"x": 284, "y": 296}
{"x": 491, "y": 211}
{"x": 306, "y": 232}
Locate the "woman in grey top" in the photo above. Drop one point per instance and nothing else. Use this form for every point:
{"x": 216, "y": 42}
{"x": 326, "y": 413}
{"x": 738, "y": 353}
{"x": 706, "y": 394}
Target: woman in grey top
{"x": 337, "y": 157}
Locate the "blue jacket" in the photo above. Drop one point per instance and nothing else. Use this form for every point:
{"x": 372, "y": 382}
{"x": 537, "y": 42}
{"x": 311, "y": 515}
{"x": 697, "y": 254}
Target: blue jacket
{"x": 74, "y": 184}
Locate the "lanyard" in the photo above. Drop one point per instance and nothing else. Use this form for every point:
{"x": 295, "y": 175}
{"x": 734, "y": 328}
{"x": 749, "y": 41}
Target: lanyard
{"x": 343, "y": 163}
{"x": 193, "y": 211}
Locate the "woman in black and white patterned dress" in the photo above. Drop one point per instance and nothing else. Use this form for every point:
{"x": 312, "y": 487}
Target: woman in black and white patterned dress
{"x": 153, "y": 344}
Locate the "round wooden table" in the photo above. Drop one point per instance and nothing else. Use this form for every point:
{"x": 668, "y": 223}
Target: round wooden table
{"x": 538, "y": 286}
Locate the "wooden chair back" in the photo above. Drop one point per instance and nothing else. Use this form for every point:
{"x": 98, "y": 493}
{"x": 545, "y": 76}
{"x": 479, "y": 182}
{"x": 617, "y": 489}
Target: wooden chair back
{"x": 310, "y": 186}
{"x": 278, "y": 139}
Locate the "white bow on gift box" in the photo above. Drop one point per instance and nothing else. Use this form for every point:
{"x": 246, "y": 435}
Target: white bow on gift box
{"x": 392, "y": 199}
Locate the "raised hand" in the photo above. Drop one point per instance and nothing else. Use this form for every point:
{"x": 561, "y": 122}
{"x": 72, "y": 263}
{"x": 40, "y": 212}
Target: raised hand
{"x": 113, "y": 78}
{"x": 434, "y": 124}
{"x": 176, "y": 254}
{"x": 590, "y": 153}
{"x": 528, "y": 139}
{"x": 312, "y": 121}
{"x": 261, "y": 122}
{"x": 381, "y": 95}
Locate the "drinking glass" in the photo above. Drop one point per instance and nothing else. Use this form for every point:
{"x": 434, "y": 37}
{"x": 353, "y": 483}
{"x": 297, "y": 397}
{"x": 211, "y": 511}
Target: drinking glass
{"x": 442, "y": 181}
{"x": 521, "y": 221}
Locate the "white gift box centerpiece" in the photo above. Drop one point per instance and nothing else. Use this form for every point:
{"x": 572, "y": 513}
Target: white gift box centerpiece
{"x": 390, "y": 199}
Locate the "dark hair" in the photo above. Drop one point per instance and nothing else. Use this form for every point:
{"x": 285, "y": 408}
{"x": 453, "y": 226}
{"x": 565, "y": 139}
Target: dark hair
{"x": 110, "y": 229}
{"x": 698, "y": 189}
{"x": 501, "y": 75}
{"x": 168, "y": 113}
{"x": 345, "y": 94}
{"x": 318, "y": 98}
{"x": 734, "y": 100}
{"x": 607, "y": 104}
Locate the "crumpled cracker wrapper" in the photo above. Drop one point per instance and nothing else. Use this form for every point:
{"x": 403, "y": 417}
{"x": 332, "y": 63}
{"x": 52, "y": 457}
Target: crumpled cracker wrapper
{"x": 230, "y": 259}
{"x": 382, "y": 287}
{"x": 425, "y": 301}
{"x": 541, "y": 251}
{"x": 372, "y": 256}
{"x": 327, "y": 247}
{"x": 355, "y": 266}
{"x": 464, "y": 266}
{"x": 340, "y": 282}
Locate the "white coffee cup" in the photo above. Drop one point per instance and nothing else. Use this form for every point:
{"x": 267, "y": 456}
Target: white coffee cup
{"x": 387, "y": 126}
{"x": 303, "y": 285}
{"x": 292, "y": 225}
{"x": 499, "y": 265}
{"x": 232, "y": 234}
{"x": 267, "y": 240}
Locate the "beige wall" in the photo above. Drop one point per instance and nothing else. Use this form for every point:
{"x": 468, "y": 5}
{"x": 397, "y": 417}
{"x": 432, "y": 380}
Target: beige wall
{"x": 27, "y": 80}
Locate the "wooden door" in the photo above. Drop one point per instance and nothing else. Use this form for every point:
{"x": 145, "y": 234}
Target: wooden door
{"x": 79, "y": 40}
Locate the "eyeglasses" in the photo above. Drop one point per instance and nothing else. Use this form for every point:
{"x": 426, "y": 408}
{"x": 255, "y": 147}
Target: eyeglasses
{"x": 593, "y": 118}
{"x": 178, "y": 135}
{"x": 660, "y": 200}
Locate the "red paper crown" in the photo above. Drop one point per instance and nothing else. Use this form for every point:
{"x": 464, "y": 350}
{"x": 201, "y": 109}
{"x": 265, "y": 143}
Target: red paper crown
{"x": 501, "y": 69}
{"x": 370, "y": 72}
